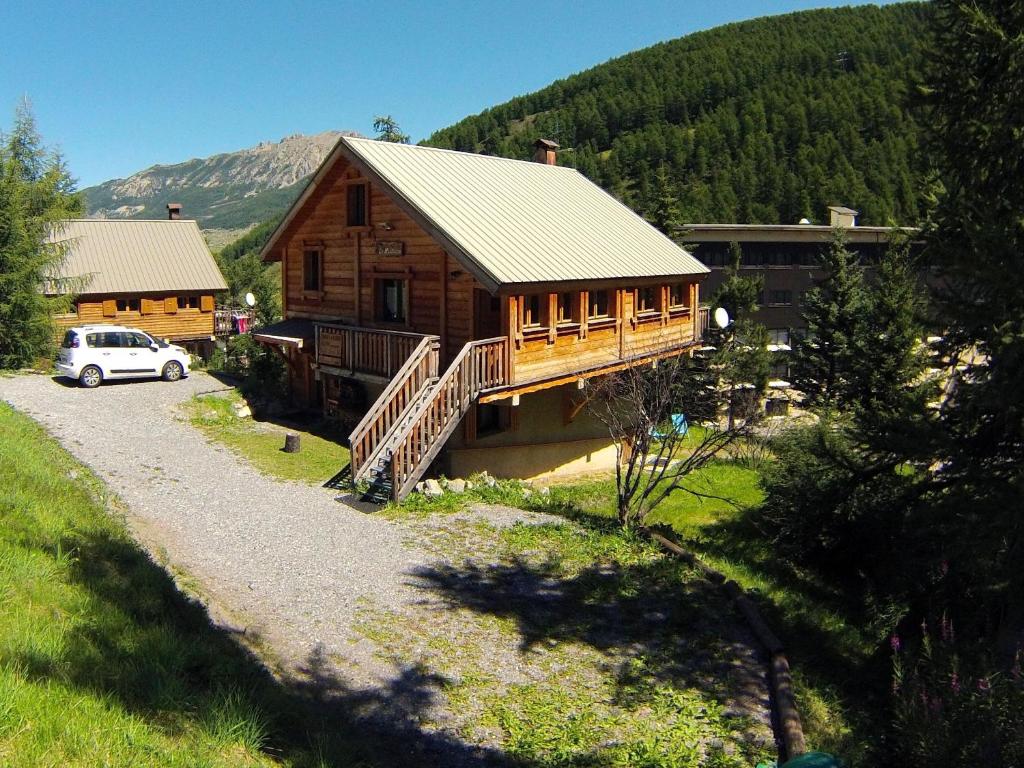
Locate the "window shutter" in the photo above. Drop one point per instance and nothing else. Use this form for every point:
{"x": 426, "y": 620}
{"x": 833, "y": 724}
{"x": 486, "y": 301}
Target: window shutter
{"x": 171, "y": 305}
{"x": 146, "y": 306}
{"x": 206, "y": 304}
{"x": 109, "y": 307}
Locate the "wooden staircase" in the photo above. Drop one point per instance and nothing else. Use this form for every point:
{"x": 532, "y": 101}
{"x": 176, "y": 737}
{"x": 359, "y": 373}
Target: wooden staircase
{"x": 395, "y": 443}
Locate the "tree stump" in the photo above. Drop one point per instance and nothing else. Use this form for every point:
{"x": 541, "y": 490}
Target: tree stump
{"x": 291, "y": 443}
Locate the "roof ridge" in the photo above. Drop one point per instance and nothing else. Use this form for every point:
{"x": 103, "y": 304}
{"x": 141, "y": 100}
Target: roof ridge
{"x": 458, "y": 152}
{"x": 136, "y": 221}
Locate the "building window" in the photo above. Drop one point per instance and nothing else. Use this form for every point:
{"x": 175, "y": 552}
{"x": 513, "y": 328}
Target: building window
{"x": 565, "y": 308}
{"x": 532, "y": 311}
{"x": 778, "y": 336}
{"x": 678, "y": 295}
{"x": 191, "y": 302}
{"x": 492, "y": 419}
{"x": 127, "y": 305}
{"x": 355, "y": 205}
{"x": 311, "y": 259}
{"x": 598, "y": 304}
{"x": 647, "y": 299}
{"x": 780, "y": 298}
{"x": 391, "y": 301}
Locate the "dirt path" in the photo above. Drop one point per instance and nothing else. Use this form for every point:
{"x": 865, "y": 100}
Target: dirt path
{"x": 423, "y": 625}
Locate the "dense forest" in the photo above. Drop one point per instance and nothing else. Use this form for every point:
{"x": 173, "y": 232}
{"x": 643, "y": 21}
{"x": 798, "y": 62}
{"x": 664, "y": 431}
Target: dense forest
{"x": 764, "y": 121}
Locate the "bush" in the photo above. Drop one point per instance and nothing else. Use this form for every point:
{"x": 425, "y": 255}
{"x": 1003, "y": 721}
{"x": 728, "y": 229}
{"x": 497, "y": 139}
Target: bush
{"x": 261, "y": 370}
{"x": 950, "y": 712}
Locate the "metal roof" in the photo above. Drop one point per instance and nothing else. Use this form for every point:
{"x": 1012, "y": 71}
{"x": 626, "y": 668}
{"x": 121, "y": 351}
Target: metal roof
{"x": 136, "y": 256}
{"x": 513, "y": 221}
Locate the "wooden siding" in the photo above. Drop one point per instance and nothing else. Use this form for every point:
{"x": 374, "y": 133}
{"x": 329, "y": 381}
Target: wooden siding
{"x": 440, "y": 290}
{"x": 151, "y": 316}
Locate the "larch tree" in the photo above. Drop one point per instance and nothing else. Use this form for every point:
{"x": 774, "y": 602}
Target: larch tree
{"x": 387, "y": 130}
{"x": 36, "y": 195}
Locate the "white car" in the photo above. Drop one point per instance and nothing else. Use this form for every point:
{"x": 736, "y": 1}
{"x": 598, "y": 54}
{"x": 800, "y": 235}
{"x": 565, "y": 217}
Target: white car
{"x": 93, "y": 353}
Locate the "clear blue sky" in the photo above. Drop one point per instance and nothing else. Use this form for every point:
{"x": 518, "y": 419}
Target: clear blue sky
{"x": 120, "y": 87}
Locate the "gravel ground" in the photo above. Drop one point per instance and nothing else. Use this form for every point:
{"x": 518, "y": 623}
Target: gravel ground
{"x": 307, "y": 580}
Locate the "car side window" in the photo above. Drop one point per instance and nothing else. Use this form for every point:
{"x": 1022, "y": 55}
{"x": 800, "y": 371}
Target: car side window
{"x": 92, "y": 339}
{"x": 113, "y": 339}
{"x": 136, "y": 340}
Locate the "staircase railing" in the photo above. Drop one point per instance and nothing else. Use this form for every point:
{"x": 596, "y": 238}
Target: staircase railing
{"x": 418, "y": 372}
{"x": 479, "y": 365}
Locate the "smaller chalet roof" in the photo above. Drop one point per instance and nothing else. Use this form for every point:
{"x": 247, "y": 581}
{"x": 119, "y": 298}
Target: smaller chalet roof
{"x": 512, "y": 222}
{"x": 294, "y": 332}
{"x": 136, "y": 256}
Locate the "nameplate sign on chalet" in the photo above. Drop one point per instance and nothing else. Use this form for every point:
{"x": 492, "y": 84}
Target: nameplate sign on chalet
{"x": 390, "y": 248}
{"x": 331, "y": 345}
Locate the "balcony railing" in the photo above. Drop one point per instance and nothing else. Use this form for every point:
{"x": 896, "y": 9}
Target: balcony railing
{"x": 364, "y": 350}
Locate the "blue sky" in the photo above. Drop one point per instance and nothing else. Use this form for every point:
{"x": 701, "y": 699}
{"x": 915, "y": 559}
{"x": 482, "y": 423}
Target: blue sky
{"x": 120, "y": 87}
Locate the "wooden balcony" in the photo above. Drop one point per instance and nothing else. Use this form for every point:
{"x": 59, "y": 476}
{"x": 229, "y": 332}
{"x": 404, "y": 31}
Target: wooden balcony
{"x": 347, "y": 349}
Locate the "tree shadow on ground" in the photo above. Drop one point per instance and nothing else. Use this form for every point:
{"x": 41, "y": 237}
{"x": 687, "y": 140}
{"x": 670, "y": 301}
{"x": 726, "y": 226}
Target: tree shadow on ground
{"x": 157, "y": 654}
{"x": 656, "y": 623}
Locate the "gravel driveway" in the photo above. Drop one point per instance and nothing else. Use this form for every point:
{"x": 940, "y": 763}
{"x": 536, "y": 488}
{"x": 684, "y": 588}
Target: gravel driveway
{"x": 307, "y": 579}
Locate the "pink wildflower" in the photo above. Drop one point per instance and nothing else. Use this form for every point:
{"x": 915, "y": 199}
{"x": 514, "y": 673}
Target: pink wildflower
{"x": 894, "y": 643}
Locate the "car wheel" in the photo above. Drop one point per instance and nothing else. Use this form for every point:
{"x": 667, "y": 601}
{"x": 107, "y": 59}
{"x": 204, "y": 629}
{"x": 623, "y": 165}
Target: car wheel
{"x": 90, "y": 377}
{"x": 173, "y": 371}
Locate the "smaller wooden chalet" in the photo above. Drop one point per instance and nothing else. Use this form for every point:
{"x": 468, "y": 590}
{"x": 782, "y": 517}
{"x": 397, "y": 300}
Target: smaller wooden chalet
{"x": 459, "y": 302}
{"x": 155, "y": 275}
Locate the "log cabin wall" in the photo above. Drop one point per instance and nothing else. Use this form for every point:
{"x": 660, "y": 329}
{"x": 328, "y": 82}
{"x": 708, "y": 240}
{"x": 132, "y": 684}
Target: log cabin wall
{"x": 580, "y": 341}
{"x": 164, "y": 316}
{"x": 359, "y": 263}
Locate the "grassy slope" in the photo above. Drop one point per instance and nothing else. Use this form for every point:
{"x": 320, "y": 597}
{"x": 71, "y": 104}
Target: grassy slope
{"x": 101, "y": 661}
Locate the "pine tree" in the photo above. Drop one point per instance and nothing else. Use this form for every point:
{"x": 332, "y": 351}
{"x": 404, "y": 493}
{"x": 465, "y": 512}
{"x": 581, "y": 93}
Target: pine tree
{"x": 36, "y": 194}
{"x": 976, "y": 117}
{"x": 387, "y": 130}
{"x": 825, "y": 358}
{"x": 737, "y": 293}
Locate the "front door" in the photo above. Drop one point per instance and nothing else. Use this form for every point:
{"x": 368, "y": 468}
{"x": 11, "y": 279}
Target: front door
{"x": 487, "y": 316}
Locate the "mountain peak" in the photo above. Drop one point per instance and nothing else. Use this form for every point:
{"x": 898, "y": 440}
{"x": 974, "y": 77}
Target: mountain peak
{"x": 225, "y": 191}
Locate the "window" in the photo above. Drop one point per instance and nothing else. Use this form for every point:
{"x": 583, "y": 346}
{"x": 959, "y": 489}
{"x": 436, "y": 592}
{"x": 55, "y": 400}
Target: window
{"x": 598, "y": 304}
{"x": 191, "y": 302}
{"x": 391, "y": 301}
{"x": 136, "y": 340}
{"x": 778, "y": 335}
{"x": 492, "y": 419}
{"x": 647, "y": 299}
{"x": 127, "y": 305}
{"x": 678, "y": 295}
{"x": 780, "y": 298}
{"x": 311, "y": 269}
{"x": 107, "y": 340}
{"x": 355, "y": 205}
{"x": 531, "y": 311}
{"x": 565, "y": 313}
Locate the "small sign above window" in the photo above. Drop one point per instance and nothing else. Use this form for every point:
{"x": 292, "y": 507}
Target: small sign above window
{"x": 390, "y": 248}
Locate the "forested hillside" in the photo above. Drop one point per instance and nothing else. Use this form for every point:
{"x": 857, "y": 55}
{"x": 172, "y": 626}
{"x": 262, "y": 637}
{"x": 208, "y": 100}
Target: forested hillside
{"x": 765, "y": 121}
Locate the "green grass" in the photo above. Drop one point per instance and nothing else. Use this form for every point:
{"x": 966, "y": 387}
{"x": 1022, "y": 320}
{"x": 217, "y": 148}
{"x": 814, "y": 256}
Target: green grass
{"x": 828, "y": 643}
{"x": 260, "y": 442}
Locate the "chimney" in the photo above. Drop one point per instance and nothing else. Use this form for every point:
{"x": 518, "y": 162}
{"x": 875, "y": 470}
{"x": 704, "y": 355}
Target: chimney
{"x": 544, "y": 151}
{"x": 842, "y": 217}
{"x": 174, "y": 211}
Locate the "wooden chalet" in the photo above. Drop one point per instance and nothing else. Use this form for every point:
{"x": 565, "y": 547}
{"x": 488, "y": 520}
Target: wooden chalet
{"x": 155, "y": 275}
{"x": 459, "y": 303}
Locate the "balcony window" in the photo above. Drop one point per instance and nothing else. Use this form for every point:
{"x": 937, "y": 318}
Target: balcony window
{"x": 532, "y": 311}
{"x": 678, "y": 296}
{"x": 598, "y": 305}
{"x": 565, "y": 312}
{"x": 647, "y": 299}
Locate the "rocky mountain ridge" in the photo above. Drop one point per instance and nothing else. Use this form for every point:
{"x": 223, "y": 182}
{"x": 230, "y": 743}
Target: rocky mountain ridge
{"x": 231, "y": 190}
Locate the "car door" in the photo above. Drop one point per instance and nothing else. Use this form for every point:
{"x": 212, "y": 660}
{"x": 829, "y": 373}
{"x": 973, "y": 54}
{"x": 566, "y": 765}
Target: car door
{"x": 142, "y": 359}
{"x": 109, "y": 355}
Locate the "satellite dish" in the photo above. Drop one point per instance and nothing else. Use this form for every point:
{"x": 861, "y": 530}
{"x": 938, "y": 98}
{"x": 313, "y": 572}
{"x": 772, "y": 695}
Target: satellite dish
{"x": 250, "y": 299}
{"x": 721, "y": 317}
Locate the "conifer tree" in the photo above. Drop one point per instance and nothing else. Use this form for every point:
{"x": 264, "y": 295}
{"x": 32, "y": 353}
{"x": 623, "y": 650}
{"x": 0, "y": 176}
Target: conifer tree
{"x": 663, "y": 211}
{"x": 387, "y": 130}
{"x": 36, "y": 194}
{"x": 825, "y": 358}
{"x": 738, "y": 292}
{"x": 976, "y": 116}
